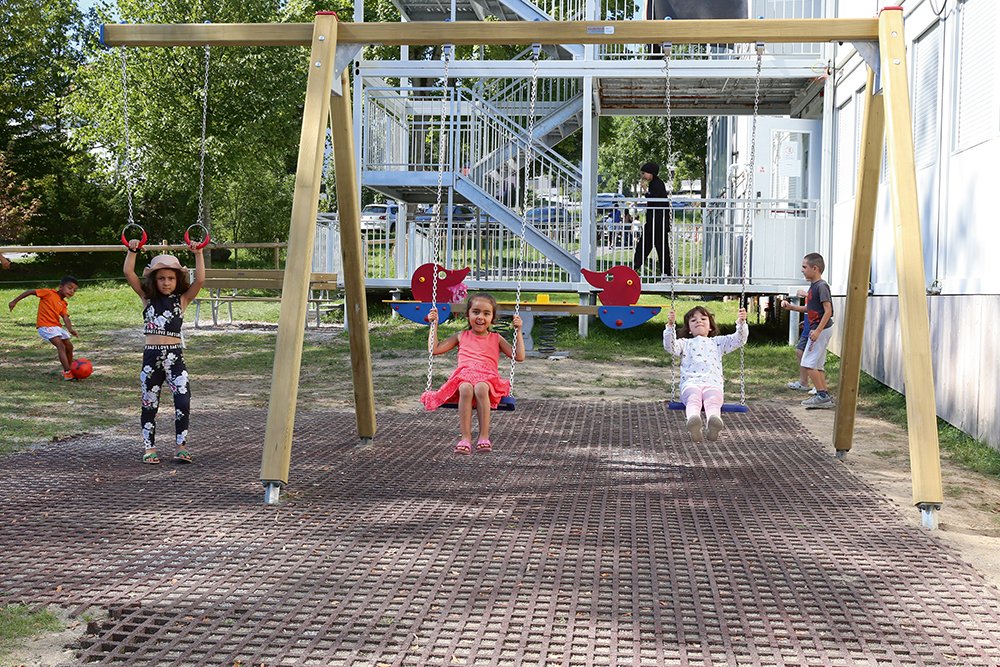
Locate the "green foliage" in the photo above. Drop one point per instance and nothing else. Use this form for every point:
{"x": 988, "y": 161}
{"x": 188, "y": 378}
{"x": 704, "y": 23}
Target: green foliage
{"x": 628, "y": 141}
{"x": 17, "y": 207}
{"x": 40, "y": 56}
{"x": 252, "y": 124}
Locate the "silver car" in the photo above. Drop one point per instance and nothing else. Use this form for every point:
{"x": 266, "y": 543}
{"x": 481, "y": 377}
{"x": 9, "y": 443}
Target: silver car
{"x": 379, "y": 218}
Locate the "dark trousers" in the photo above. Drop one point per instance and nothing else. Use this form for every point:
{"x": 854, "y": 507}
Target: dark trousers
{"x": 164, "y": 363}
{"x": 655, "y": 234}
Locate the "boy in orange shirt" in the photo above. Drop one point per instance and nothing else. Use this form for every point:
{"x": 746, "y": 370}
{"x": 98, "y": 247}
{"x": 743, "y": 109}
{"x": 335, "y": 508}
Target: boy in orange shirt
{"x": 51, "y": 307}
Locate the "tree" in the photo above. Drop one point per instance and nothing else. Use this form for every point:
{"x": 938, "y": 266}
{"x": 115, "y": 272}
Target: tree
{"x": 628, "y": 141}
{"x": 40, "y": 55}
{"x": 253, "y": 118}
{"x": 17, "y": 207}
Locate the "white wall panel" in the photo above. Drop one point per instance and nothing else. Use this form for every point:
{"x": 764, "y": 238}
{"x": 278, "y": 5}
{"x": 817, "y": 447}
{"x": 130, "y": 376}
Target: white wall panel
{"x": 858, "y": 9}
{"x": 969, "y": 232}
{"x": 956, "y": 103}
{"x": 841, "y": 236}
{"x": 977, "y": 118}
{"x": 965, "y": 354}
{"x": 987, "y": 361}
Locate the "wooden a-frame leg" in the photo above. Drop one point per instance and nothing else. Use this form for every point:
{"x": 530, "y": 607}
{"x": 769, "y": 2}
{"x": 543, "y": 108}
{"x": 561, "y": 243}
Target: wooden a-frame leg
{"x": 872, "y": 134}
{"x": 921, "y": 415}
{"x": 298, "y": 265}
{"x": 355, "y": 302}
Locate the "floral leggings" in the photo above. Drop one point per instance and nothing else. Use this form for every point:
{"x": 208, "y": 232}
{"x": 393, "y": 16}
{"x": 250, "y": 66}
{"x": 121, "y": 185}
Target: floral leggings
{"x": 164, "y": 363}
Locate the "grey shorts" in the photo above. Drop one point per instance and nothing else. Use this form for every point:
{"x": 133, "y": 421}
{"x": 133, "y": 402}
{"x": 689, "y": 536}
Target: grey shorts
{"x": 814, "y": 356}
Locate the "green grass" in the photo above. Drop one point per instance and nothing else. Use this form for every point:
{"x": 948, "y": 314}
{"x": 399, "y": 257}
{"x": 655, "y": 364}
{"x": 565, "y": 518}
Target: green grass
{"x": 36, "y": 406}
{"x": 877, "y": 400}
{"x": 18, "y": 622}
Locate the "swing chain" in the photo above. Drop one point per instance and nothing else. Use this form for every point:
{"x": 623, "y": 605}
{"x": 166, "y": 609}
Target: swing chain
{"x": 667, "y": 52}
{"x": 129, "y": 177}
{"x": 436, "y": 219}
{"x": 746, "y": 215}
{"x": 201, "y": 157}
{"x": 529, "y": 161}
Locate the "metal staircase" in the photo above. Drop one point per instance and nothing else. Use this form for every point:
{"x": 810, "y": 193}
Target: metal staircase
{"x": 489, "y": 145}
{"x": 487, "y": 117}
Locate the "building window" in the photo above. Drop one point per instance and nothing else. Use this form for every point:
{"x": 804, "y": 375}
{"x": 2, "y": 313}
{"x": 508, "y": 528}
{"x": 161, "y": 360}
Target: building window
{"x": 977, "y": 116}
{"x": 926, "y": 72}
{"x": 846, "y": 125}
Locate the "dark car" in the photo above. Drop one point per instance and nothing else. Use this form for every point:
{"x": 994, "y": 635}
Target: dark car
{"x": 460, "y": 215}
{"x": 613, "y": 219}
{"x": 544, "y": 217}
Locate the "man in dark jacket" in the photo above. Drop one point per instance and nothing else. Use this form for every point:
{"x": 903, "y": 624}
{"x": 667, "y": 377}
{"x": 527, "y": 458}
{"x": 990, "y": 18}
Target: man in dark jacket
{"x": 656, "y": 231}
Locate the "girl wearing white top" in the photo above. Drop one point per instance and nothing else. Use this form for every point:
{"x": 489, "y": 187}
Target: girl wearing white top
{"x": 700, "y": 348}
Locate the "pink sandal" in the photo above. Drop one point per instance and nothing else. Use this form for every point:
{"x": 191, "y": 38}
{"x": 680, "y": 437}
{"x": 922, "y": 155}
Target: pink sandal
{"x": 463, "y": 447}
{"x": 484, "y": 445}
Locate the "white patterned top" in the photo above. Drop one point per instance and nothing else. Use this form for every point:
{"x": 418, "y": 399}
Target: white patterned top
{"x": 701, "y": 356}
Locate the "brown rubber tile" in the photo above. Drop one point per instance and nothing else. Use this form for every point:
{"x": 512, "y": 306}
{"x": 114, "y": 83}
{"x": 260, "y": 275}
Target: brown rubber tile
{"x": 593, "y": 534}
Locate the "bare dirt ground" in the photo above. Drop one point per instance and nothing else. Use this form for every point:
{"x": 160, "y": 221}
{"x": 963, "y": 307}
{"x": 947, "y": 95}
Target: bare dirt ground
{"x": 969, "y": 519}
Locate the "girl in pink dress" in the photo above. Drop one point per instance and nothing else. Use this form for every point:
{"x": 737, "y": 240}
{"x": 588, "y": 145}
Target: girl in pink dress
{"x": 476, "y": 383}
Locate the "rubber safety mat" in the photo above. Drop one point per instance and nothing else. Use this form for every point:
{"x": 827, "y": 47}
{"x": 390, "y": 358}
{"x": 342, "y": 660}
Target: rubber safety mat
{"x": 593, "y": 534}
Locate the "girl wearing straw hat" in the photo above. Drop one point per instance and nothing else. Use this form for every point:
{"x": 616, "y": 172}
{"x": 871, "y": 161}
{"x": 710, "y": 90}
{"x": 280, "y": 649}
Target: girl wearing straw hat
{"x": 165, "y": 291}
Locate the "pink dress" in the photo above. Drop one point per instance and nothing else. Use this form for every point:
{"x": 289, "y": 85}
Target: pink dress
{"x": 478, "y": 361}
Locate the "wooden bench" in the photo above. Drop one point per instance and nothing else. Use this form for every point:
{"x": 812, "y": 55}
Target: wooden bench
{"x": 225, "y": 286}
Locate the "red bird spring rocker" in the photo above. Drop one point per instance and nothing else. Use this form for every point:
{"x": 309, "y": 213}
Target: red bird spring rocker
{"x": 450, "y": 289}
{"x": 620, "y": 289}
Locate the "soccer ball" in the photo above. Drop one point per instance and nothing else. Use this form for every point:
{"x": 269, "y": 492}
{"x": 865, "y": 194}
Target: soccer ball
{"x": 82, "y": 368}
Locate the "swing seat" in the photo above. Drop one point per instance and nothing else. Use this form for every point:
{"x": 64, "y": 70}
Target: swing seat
{"x": 506, "y": 405}
{"x": 416, "y": 311}
{"x": 726, "y": 407}
{"x": 626, "y": 317}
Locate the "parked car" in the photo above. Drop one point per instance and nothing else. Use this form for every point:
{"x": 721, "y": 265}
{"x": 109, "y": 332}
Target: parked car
{"x": 461, "y": 215}
{"x": 379, "y": 218}
{"x": 544, "y": 217}
{"x": 613, "y": 219}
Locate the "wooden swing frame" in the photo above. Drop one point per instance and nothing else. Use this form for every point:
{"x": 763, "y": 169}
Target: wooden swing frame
{"x": 887, "y": 113}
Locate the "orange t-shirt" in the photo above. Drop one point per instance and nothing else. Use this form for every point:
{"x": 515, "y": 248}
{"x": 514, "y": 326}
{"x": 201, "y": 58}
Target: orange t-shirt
{"x": 51, "y": 307}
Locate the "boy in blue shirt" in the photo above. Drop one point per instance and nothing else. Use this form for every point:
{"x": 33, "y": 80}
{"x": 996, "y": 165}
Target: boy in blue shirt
{"x": 819, "y": 314}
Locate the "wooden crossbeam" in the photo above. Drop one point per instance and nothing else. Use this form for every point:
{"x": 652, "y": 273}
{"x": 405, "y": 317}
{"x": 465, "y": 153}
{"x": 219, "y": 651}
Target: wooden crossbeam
{"x": 715, "y": 31}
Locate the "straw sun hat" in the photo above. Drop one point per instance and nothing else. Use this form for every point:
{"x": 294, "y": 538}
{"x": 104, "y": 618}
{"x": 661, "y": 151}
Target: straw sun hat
{"x": 163, "y": 262}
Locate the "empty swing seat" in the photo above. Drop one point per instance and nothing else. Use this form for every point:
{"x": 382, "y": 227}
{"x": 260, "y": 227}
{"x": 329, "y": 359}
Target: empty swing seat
{"x": 506, "y": 405}
{"x": 726, "y": 407}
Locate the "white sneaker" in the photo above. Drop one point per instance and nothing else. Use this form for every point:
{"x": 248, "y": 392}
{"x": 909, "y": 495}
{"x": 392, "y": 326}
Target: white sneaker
{"x": 812, "y": 392}
{"x": 714, "y": 426}
{"x": 797, "y": 386}
{"x": 694, "y": 426}
{"x": 816, "y": 402}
